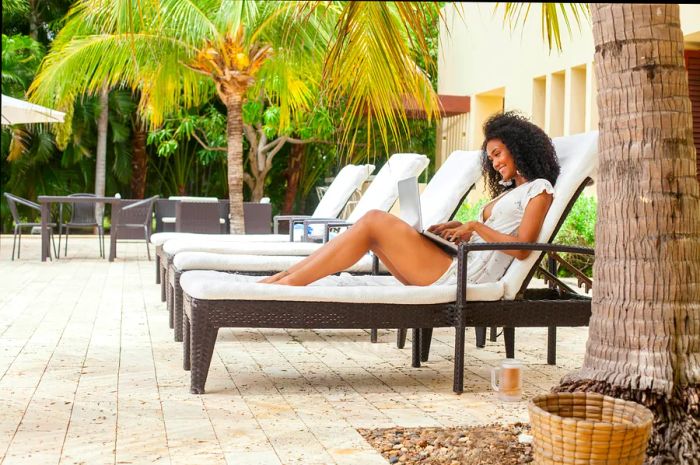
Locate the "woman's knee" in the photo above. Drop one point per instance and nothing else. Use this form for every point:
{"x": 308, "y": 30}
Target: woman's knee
{"x": 375, "y": 219}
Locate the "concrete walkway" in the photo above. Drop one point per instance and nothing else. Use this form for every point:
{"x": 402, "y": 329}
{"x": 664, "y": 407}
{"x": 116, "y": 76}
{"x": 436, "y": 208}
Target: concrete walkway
{"x": 89, "y": 374}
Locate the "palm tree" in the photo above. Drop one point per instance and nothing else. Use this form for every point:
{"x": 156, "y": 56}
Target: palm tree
{"x": 644, "y": 338}
{"x": 241, "y": 47}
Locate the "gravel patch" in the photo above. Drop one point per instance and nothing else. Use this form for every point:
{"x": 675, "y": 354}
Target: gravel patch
{"x": 482, "y": 445}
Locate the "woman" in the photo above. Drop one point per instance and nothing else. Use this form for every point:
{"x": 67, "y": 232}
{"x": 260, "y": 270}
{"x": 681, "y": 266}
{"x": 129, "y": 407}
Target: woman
{"x": 520, "y": 166}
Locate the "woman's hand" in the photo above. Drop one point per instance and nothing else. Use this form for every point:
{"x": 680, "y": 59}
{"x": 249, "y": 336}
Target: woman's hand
{"x": 440, "y": 227}
{"x": 459, "y": 234}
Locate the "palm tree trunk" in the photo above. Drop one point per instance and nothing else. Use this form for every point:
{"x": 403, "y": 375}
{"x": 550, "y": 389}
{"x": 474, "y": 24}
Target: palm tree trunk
{"x": 101, "y": 152}
{"x": 234, "y": 152}
{"x": 293, "y": 175}
{"x": 139, "y": 160}
{"x": 644, "y": 337}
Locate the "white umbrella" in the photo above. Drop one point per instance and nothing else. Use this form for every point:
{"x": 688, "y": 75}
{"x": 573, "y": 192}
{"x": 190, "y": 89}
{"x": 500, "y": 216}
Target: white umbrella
{"x": 15, "y": 111}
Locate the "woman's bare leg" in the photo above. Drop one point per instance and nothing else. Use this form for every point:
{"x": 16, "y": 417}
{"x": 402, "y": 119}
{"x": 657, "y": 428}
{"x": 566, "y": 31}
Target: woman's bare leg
{"x": 410, "y": 257}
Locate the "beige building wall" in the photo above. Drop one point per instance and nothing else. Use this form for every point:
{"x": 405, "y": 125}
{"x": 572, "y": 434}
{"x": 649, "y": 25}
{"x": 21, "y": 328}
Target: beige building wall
{"x": 504, "y": 69}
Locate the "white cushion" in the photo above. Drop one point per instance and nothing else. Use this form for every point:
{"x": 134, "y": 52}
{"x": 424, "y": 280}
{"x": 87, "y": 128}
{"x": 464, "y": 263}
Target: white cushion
{"x": 215, "y": 285}
{"x": 176, "y": 246}
{"x": 160, "y": 238}
{"x": 184, "y": 198}
{"x": 383, "y": 191}
{"x": 184, "y": 261}
{"x": 348, "y": 180}
{"x": 578, "y": 159}
{"x": 446, "y": 189}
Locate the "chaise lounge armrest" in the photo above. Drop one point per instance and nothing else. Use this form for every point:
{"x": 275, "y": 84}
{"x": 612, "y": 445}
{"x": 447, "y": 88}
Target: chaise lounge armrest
{"x": 141, "y": 203}
{"x": 465, "y": 248}
{"x": 327, "y": 222}
{"x": 288, "y": 218}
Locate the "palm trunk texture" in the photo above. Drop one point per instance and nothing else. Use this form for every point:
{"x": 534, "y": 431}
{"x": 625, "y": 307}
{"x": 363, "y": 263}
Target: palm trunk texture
{"x": 139, "y": 160}
{"x": 644, "y": 336}
{"x": 234, "y": 152}
{"x": 101, "y": 151}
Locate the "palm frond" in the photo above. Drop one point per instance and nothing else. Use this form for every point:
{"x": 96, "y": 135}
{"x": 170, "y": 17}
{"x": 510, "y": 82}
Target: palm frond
{"x": 369, "y": 67}
{"x": 516, "y": 14}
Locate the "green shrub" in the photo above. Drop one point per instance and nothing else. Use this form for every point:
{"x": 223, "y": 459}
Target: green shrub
{"x": 579, "y": 229}
{"x": 469, "y": 211}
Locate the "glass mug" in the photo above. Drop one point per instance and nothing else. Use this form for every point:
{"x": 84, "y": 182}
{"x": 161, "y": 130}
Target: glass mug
{"x": 507, "y": 380}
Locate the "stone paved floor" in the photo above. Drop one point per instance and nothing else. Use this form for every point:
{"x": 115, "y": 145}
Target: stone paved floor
{"x": 89, "y": 374}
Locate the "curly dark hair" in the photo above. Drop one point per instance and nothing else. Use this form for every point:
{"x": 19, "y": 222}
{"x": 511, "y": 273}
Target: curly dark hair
{"x": 531, "y": 147}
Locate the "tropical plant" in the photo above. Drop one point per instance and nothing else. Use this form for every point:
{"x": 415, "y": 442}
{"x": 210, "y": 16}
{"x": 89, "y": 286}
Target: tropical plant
{"x": 243, "y": 48}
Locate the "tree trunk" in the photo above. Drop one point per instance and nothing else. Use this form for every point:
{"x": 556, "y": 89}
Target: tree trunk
{"x": 293, "y": 175}
{"x": 644, "y": 337}
{"x": 139, "y": 160}
{"x": 258, "y": 190}
{"x": 101, "y": 153}
{"x": 234, "y": 152}
{"x": 34, "y": 20}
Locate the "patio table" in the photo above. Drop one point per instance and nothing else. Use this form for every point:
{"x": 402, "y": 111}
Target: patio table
{"x": 45, "y": 202}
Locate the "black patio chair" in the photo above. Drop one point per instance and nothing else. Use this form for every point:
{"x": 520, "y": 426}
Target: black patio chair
{"x": 13, "y": 201}
{"x": 197, "y": 217}
{"x": 165, "y": 208}
{"x": 83, "y": 216}
{"x": 134, "y": 221}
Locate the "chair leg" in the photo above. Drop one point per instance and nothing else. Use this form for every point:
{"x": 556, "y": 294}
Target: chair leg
{"x": 177, "y": 311}
{"x": 186, "y": 365}
{"x": 101, "y": 241}
{"x": 493, "y": 334}
{"x": 373, "y": 335}
{"x": 509, "y": 338}
{"x": 104, "y": 251}
{"x": 480, "y": 332}
{"x": 14, "y": 241}
{"x": 552, "y": 345}
{"x": 65, "y": 249}
{"x": 145, "y": 236}
{"x": 19, "y": 243}
{"x": 53, "y": 241}
{"x": 401, "y": 338}
{"x": 157, "y": 268}
{"x": 202, "y": 340}
{"x": 416, "y": 346}
{"x": 458, "y": 381}
{"x": 425, "y": 339}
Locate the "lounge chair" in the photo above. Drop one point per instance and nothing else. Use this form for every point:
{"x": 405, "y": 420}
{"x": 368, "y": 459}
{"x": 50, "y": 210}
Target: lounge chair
{"x": 440, "y": 201}
{"x": 215, "y": 299}
{"x": 348, "y": 181}
{"x": 380, "y": 194}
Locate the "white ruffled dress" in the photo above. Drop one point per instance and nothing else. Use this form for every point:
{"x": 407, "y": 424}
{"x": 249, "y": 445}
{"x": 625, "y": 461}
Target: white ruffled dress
{"x": 506, "y": 215}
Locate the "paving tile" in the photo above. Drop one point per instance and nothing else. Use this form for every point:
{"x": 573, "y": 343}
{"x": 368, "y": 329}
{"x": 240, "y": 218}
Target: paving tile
{"x": 89, "y": 373}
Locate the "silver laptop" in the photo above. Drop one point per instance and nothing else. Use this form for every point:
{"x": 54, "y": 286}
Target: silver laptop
{"x": 409, "y": 199}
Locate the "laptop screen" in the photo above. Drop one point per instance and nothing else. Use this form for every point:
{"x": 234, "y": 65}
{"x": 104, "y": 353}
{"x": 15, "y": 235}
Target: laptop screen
{"x": 409, "y": 202}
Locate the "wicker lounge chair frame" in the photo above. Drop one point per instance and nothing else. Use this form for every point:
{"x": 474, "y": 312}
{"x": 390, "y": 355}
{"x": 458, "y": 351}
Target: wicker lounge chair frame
{"x": 531, "y": 308}
{"x": 173, "y": 294}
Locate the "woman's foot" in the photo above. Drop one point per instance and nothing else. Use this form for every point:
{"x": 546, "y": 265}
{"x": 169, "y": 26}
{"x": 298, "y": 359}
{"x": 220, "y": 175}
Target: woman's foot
{"x": 274, "y": 278}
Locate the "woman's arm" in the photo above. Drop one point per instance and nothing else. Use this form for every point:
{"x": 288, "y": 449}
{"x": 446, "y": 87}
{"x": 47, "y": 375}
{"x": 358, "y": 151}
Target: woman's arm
{"x": 528, "y": 231}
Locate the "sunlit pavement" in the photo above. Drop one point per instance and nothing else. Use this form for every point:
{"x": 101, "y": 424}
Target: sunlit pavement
{"x": 89, "y": 373}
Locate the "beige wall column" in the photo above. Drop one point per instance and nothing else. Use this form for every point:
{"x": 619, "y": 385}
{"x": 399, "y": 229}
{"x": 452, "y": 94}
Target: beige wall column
{"x": 483, "y": 106}
{"x": 591, "y": 99}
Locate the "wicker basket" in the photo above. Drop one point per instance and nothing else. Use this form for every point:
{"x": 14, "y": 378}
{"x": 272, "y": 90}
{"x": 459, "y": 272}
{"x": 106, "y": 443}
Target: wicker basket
{"x": 588, "y": 429}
